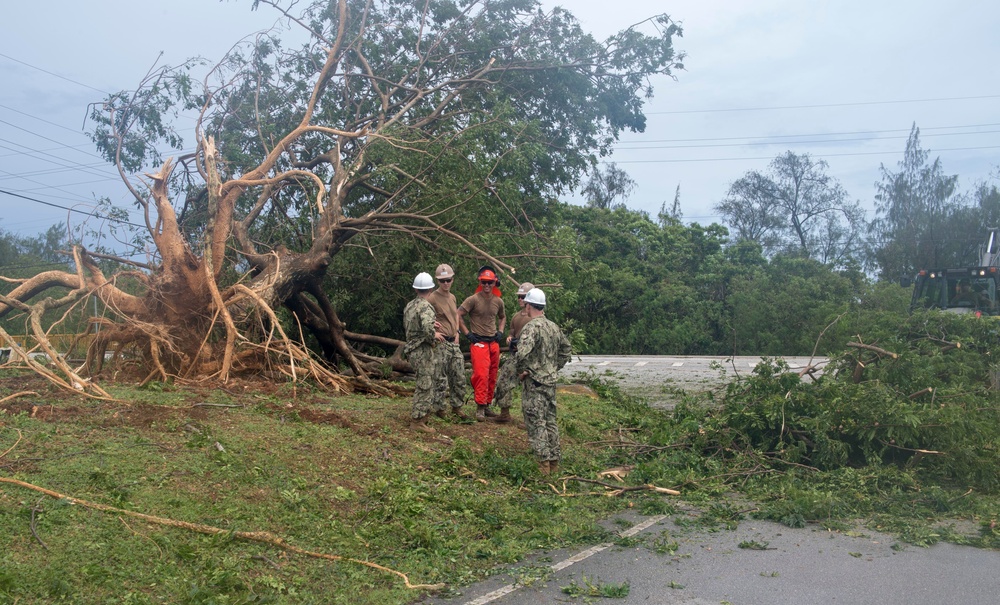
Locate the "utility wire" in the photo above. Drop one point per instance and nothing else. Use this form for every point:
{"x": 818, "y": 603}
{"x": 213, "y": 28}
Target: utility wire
{"x": 94, "y": 214}
{"x": 104, "y": 92}
{"x": 825, "y": 155}
{"x": 806, "y": 142}
{"x": 822, "y": 105}
{"x": 816, "y": 134}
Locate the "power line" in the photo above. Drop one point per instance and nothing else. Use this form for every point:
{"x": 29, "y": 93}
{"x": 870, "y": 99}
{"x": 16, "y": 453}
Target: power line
{"x": 34, "y": 117}
{"x": 94, "y": 214}
{"x": 53, "y": 74}
{"x": 817, "y": 134}
{"x": 818, "y": 106}
{"x": 806, "y": 142}
{"x": 825, "y": 155}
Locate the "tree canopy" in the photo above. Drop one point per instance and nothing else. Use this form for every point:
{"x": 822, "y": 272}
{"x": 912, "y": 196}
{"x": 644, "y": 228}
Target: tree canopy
{"x": 436, "y": 124}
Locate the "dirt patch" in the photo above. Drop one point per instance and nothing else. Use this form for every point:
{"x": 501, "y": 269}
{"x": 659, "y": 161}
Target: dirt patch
{"x": 321, "y": 417}
{"x": 46, "y": 412}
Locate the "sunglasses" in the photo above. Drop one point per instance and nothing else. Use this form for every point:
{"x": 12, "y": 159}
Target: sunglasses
{"x": 445, "y": 281}
{"x": 487, "y": 283}
{"x": 520, "y": 296}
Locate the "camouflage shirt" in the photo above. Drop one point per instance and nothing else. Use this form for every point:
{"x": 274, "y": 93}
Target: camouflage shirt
{"x": 542, "y": 351}
{"x": 418, "y": 321}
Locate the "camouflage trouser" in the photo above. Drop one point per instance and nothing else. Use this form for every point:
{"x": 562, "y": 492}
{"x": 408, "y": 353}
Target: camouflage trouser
{"x": 425, "y": 399}
{"x": 506, "y": 381}
{"x": 450, "y": 374}
{"x": 538, "y": 404}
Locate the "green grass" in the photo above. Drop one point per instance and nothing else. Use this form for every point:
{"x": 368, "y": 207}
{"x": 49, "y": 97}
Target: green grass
{"x": 345, "y": 476}
{"x": 342, "y": 476}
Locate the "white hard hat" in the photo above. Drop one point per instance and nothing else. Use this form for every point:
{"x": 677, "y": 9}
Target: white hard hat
{"x": 535, "y": 297}
{"x": 423, "y": 281}
{"x": 524, "y": 288}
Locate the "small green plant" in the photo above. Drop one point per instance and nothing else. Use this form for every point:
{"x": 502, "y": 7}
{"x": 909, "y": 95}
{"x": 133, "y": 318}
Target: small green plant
{"x": 663, "y": 545}
{"x": 630, "y": 541}
{"x": 596, "y": 589}
{"x": 754, "y": 545}
{"x": 528, "y": 575}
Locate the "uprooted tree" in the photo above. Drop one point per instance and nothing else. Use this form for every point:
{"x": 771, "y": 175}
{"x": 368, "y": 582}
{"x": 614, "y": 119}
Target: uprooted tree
{"x": 397, "y": 119}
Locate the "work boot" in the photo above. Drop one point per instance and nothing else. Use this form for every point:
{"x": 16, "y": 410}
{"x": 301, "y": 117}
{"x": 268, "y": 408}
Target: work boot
{"x": 480, "y": 413}
{"x": 459, "y": 413}
{"x": 441, "y": 414}
{"x": 489, "y": 412}
{"x": 553, "y": 466}
{"x": 543, "y": 467}
{"x": 420, "y": 424}
{"x": 504, "y": 416}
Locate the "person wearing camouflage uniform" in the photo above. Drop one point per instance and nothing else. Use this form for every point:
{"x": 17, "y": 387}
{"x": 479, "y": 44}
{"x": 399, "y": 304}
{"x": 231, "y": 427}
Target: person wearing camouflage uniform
{"x": 421, "y": 351}
{"x": 542, "y": 351}
{"x": 507, "y": 378}
{"x": 449, "y": 371}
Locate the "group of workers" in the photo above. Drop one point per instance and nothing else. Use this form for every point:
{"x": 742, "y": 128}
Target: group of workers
{"x": 537, "y": 350}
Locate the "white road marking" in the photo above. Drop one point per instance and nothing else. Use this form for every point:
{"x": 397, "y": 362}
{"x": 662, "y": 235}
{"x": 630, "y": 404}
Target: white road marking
{"x": 604, "y": 363}
{"x": 506, "y": 590}
{"x": 641, "y": 363}
{"x": 677, "y": 364}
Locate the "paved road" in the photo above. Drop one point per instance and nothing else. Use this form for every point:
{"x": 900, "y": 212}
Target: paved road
{"x": 798, "y": 566}
{"x": 658, "y": 378}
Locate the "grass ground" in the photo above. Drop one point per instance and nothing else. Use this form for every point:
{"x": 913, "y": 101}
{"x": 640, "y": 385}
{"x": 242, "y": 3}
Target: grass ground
{"x": 345, "y": 477}
{"x": 341, "y": 476}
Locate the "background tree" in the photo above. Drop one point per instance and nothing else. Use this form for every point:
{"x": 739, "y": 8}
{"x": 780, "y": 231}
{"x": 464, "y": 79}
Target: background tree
{"x": 795, "y": 207}
{"x": 396, "y": 120}
{"x": 608, "y": 188}
{"x": 912, "y": 207}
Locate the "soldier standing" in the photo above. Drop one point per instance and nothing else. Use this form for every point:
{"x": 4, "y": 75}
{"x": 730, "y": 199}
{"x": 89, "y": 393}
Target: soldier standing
{"x": 507, "y": 377}
{"x": 542, "y": 351}
{"x": 420, "y": 350}
{"x": 484, "y": 308}
{"x": 450, "y": 371}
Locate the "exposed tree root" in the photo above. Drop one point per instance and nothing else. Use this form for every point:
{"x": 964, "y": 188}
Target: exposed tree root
{"x": 253, "y": 536}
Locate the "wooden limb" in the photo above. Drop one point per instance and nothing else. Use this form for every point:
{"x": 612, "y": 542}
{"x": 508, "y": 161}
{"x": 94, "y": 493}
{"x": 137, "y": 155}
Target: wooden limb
{"x": 881, "y": 352}
{"x": 34, "y": 529}
{"x": 618, "y": 490}
{"x": 15, "y": 396}
{"x": 371, "y": 339}
{"x": 11, "y": 448}
{"x": 253, "y": 536}
{"x": 928, "y": 390}
{"x": 859, "y": 369}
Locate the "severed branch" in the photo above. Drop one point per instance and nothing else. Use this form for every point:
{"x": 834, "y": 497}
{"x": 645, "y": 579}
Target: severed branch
{"x": 253, "y": 536}
{"x": 881, "y": 352}
{"x": 617, "y": 490}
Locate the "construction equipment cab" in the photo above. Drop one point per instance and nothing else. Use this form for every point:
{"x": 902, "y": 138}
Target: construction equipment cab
{"x": 962, "y": 290}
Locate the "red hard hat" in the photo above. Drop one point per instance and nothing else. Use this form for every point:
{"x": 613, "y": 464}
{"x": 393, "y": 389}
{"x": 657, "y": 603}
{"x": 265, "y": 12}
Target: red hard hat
{"x": 487, "y": 275}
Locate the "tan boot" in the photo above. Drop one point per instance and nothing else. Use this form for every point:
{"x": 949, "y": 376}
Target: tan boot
{"x": 543, "y": 467}
{"x": 504, "y": 416}
{"x": 420, "y": 424}
{"x": 553, "y": 466}
{"x": 441, "y": 414}
{"x": 480, "y": 413}
{"x": 489, "y": 412}
{"x": 459, "y": 413}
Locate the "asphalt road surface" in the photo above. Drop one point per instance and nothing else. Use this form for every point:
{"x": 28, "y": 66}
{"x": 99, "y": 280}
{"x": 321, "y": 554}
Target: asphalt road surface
{"x": 664, "y": 561}
{"x": 658, "y": 378}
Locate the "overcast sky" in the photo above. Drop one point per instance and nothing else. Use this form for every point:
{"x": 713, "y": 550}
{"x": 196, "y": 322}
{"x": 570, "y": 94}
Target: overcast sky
{"x": 841, "y": 80}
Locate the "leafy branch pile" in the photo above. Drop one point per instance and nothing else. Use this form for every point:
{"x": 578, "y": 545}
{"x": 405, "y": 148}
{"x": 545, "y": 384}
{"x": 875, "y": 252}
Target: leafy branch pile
{"x": 904, "y": 434}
